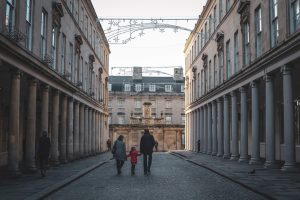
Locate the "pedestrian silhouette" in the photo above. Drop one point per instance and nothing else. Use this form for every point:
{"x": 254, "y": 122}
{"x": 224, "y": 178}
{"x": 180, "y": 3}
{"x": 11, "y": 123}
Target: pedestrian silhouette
{"x": 108, "y": 144}
{"x": 133, "y": 154}
{"x": 119, "y": 151}
{"x": 43, "y": 152}
{"x": 146, "y": 146}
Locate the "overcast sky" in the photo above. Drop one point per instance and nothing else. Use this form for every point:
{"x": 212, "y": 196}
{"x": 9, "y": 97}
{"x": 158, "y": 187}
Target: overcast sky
{"x": 154, "y": 48}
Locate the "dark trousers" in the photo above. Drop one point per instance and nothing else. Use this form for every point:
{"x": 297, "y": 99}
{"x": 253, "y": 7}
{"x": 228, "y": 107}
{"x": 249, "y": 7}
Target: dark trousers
{"x": 147, "y": 162}
{"x": 119, "y": 165}
{"x": 132, "y": 168}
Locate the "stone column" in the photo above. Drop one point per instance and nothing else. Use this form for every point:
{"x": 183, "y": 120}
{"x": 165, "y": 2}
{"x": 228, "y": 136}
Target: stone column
{"x": 31, "y": 127}
{"x": 45, "y": 108}
{"x": 255, "y": 154}
{"x": 209, "y": 131}
{"x": 288, "y": 123}
{"x": 226, "y": 129}
{"x": 205, "y": 129}
{"x": 63, "y": 131}
{"x": 196, "y": 131}
{"x": 97, "y": 132}
{"x": 76, "y": 130}
{"x": 90, "y": 131}
{"x": 202, "y": 145}
{"x": 214, "y": 129}
{"x": 244, "y": 127}
{"x": 270, "y": 124}
{"x": 234, "y": 127}
{"x": 81, "y": 130}
{"x": 86, "y": 130}
{"x": 55, "y": 126}
{"x": 70, "y": 137}
{"x": 220, "y": 129}
{"x": 94, "y": 133}
{"x": 14, "y": 123}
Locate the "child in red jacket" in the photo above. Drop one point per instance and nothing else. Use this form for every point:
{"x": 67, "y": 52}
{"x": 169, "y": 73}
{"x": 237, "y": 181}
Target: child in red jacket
{"x": 133, "y": 154}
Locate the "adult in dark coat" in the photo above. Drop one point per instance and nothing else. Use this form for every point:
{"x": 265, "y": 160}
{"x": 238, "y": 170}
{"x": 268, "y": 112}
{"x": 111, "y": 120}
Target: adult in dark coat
{"x": 146, "y": 148}
{"x": 44, "y": 151}
{"x": 119, "y": 151}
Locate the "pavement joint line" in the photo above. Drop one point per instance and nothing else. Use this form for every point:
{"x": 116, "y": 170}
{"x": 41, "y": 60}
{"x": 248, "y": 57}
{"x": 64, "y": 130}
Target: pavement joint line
{"x": 61, "y": 184}
{"x": 220, "y": 174}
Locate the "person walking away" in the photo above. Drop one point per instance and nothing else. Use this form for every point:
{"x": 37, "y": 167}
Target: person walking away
{"x": 198, "y": 145}
{"x": 108, "y": 143}
{"x": 119, "y": 151}
{"x": 44, "y": 151}
{"x": 133, "y": 154}
{"x": 146, "y": 147}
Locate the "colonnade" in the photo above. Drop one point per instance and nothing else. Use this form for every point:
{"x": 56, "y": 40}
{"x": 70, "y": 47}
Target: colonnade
{"x": 210, "y": 122}
{"x": 76, "y": 129}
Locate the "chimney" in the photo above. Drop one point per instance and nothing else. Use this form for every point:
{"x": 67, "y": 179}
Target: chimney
{"x": 137, "y": 73}
{"x": 178, "y": 74}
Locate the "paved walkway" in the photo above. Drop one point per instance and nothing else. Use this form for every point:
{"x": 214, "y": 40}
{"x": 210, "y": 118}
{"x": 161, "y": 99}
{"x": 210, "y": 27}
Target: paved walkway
{"x": 32, "y": 186}
{"x": 171, "y": 179}
{"x": 272, "y": 183}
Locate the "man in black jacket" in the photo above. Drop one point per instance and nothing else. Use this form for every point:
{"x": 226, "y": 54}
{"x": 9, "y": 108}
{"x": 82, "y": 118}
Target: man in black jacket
{"x": 146, "y": 148}
{"x": 44, "y": 151}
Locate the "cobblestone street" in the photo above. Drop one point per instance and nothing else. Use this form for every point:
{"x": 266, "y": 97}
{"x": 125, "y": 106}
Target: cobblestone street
{"x": 171, "y": 178}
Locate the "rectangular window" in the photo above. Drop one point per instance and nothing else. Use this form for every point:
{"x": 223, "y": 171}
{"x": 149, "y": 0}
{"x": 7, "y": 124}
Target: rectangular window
{"x": 227, "y": 5}
{"x": 202, "y": 82}
{"x": 210, "y": 75}
{"x": 258, "y": 31}
{"x": 205, "y": 33}
{"x": 63, "y": 54}
{"x": 168, "y": 88}
{"x": 138, "y": 87}
{"x": 182, "y": 88}
{"x": 127, "y": 87}
{"x": 215, "y": 17}
{"x": 236, "y": 52}
{"x": 86, "y": 26}
{"x": 246, "y": 39}
{"x": 198, "y": 44}
{"x": 121, "y": 103}
{"x": 53, "y": 46}
{"x": 81, "y": 70}
{"x": 220, "y": 10}
{"x": 210, "y": 26}
{"x": 138, "y": 104}
{"x": 82, "y": 18}
{"x": 71, "y": 70}
{"x": 228, "y": 59}
{"x": 168, "y": 120}
{"x": 152, "y": 88}
{"x": 198, "y": 85}
{"x": 121, "y": 119}
{"x": 274, "y": 23}
{"x": 71, "y": 6}
{"x": 10, "y": 14}
{"x": 221, "y": 64}
{"x": 44, "y": 20}
{"x": 202, "y": 39}
{"x": 109, "y": 87}
{"x": 295, "y": 15}
{"x": 168, "y": 104}
{"x": 90, "y": 33}
{"x": 28, "y": 41}
{"x": 215, "y": 71}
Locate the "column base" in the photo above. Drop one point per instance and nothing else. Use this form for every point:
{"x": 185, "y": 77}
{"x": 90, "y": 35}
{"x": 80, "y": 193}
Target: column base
{"x": 14, "y": 173}
{"x": 234, "y": 157}
{"x": 209, "y": 153}
{"x": 214, "y": 154}
{"x": 244, "y": 160}
{"x": 290, "y": 168}
{"x": 255, "y": 161}
{"x": 30, "y": 169}
{"x": 271, "y": 165}
{"x": 226, "y": 156}
{"x": 219, "y": 155}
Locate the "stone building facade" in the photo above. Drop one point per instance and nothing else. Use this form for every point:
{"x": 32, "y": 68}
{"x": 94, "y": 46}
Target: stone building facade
{"x": 242, "y": 97}
{"x": 138, "y": 102}
{"x": 54, "y": 61}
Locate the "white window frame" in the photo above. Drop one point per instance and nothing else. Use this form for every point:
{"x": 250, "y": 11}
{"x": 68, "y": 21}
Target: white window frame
{"x": 138, "y": 87}
{"x": 109, "y": 87}
{"x": 168, "y": 88}
{"x": 127, "y": 87}
{"x": 152, "y": 88}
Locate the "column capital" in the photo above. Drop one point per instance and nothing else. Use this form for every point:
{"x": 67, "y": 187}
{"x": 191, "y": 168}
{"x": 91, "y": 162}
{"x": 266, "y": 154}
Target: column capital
{"x": 16, "y": 73}
{"x": 45, "y": 87}
{"x": 268, "y": 78}
{"x": 233, "y": 93}
{"x": 253, "y": 84}
{"x": 225, "y": 97}
{"x": 56, "y": 92}
{"x": 242, "y": 89}
{"x": 71, "y": 99}
{"x": 286, "y": 69}
{"x": 219, "y": 100}
{"x": 76, "y": 102}
{"x": 32, "y": 80}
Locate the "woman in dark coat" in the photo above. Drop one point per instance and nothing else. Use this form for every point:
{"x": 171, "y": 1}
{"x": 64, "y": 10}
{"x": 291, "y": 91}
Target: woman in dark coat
{"x": 119, "y": 149}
